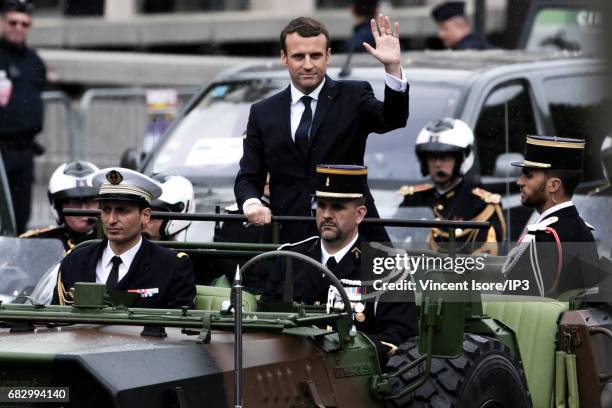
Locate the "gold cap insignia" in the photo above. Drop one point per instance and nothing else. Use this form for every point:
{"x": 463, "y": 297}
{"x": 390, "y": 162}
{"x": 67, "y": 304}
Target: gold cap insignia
{"x": 114, "y": 177}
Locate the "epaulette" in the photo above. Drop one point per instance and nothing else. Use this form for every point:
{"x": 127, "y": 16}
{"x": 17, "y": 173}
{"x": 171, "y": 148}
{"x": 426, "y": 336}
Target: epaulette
{"x": 181, "y": 255}
{"x": 38, "y": 231}
{"x": 487, "y": 197}
{"x": 410, "y": 190}
{"x": 541, "y": 226}
{"x": 292, "y": 244}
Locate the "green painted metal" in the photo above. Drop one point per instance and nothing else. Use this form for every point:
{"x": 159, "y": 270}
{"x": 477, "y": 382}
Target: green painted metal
{"x": 533, "y": 320}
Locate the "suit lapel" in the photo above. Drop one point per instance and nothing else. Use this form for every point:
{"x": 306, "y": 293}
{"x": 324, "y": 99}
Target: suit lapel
{"x": 90, "y": 264}
{"x": 285, "y": 123}
{"x": 326, "y": 98}
{"x": 348, "y": 266}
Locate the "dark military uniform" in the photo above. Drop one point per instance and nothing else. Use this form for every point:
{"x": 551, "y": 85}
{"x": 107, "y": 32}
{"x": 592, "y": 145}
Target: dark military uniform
{"x": 555, "y": 255}
{"x": 558, "y": 253}
{"x": 68, "y": 237}
{"x": 464, "y": 202}
{"x": 383, "y": 322}
{"x": 165, "y": 278}
{"x": 472, "y": 41}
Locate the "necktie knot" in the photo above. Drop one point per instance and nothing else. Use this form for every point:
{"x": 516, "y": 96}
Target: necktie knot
{"x": 306, "y": 101}
{"x": 116, "y": 261}
{"x": 331, "y": 263}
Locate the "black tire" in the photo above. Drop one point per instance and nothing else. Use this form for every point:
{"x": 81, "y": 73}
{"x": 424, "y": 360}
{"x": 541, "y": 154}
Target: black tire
{"x": 485, "y": 375}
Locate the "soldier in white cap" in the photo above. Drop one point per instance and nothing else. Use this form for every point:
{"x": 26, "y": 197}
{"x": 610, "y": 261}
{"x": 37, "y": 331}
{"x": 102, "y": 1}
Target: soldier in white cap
{"x": 125, "y": 261}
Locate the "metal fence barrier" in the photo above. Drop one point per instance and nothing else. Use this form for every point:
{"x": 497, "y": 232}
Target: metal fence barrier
{"x": 98, "y": 128}
{"x": 113, "y": 120}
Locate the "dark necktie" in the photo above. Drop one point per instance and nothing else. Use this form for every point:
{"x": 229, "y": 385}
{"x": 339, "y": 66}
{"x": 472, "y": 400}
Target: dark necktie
{"x": 302, "y": 134}
{"x": 331, "y": 263}
{"x": 113, "y": 277}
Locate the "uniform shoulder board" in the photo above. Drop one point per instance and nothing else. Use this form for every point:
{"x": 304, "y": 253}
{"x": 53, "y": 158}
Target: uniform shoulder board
{"x": 180, "y": 255}
{"x": 232, "y": 208}
{"x": 487, "y": 197}
{"x": 36, "y": 232}
{"x": 410, "y": 190}
{"x": 293, "y": 244}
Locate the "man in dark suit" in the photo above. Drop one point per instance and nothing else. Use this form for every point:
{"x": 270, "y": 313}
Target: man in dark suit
{"x": 453, "y": 28}
{"x": 388, "y": 320}
{"x": 315, "y": 120}
{"x": 126, "y": 261}
{"x": 557, "y": 253}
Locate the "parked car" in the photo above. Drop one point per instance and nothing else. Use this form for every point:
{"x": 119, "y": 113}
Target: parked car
{"x": 502, "y": 95}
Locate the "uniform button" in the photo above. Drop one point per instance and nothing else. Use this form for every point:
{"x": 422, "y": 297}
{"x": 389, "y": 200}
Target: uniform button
{"x": 440, "y": 207}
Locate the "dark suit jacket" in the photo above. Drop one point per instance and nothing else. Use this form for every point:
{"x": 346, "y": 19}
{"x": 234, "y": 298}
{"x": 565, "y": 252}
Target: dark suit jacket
{"x": 391, "y": 322}
{"x": 152, "y": 267}
{"x": 347, "y": 112}
{"x": 578, "y": 254}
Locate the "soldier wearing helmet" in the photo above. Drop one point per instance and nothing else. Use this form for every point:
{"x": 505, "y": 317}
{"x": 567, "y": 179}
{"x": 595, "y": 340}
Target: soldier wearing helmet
{"x": 177, "y": 196}
{"x": 445, "y": 151}
{"x": 70, "y": 186}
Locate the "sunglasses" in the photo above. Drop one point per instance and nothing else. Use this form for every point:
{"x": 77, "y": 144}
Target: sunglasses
{"x": 15, "y": 23}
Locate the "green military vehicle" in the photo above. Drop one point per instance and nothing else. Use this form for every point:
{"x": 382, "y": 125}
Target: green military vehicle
{"x": 483, "y": 351}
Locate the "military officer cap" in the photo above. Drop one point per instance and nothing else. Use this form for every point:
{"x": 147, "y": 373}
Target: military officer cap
{"x": 554, "y": 153}
{"x": 20, "y": 6}
{"x": 448, "y": 9}
{"x": 341, "y": 181}
{"x": 119, "y": 184}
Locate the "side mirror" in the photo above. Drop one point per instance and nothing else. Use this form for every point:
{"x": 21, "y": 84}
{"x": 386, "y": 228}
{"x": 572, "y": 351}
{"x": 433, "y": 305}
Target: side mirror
{"x": 132, "y": 158}
{"x": 503, "y": 166}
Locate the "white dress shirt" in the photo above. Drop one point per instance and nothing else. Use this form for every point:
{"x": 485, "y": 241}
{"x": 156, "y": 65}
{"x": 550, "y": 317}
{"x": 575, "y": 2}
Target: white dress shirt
{"x": 104, "y": 265}
{"x": 338, "y": 255}
{"x": 552, "y": 209}
{"x": 296, "y": 109}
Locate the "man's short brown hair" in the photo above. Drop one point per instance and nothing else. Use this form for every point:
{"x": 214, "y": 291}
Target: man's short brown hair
{"x": 305, "y": 27}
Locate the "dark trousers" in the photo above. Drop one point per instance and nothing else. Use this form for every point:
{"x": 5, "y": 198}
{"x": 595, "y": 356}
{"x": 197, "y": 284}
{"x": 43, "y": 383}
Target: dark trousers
{"x": 19, "y": 166}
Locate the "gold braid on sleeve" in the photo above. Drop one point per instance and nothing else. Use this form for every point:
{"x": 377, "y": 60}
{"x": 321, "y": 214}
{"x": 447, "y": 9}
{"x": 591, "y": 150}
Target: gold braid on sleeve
{"x": 62, "y": 293}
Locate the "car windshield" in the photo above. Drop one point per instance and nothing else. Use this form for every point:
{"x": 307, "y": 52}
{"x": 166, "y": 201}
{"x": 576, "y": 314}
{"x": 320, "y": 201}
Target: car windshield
{"x": 207, "y": 143}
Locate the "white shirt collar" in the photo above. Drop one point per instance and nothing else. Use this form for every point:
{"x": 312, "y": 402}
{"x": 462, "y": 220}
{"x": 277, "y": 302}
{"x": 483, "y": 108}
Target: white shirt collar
{"x": 126, "y": 258}
{"x": 296, "y": 94}
{"x": 553, "y": 209}
{"x": 338, "y": 255}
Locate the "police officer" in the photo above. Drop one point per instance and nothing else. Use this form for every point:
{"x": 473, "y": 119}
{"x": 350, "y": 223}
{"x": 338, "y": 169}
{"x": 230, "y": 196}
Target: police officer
{"x": 340, "y": 209}
{"x": 453, "y": 28}
{"x": 70, "y": 186}
{"x": 177, "y": 196}
{"x": 22, "y": 80}
{"x": 445, "y": 151}
{"x": 556, "y": 253}
{"x": 124, "y": 260}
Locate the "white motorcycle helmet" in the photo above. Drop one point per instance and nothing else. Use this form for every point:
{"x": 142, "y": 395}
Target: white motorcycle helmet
{"x": 446, "y": 135}
{"x": 177, "y": 196}
{"x": 70, "y": 181}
